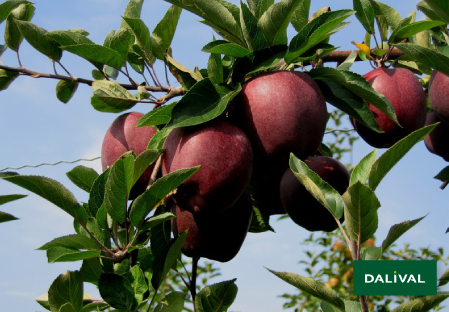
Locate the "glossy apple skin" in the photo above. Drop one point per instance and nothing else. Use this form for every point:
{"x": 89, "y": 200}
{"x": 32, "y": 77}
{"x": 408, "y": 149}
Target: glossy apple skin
{"x": 225, "y": 155}
{"x": 439, "y": 95}
{"x": 301, "y": 206}
{"x": 218, "y": 237}
{"x": 123, "y": 136}
{"x": 281, "y": 112}
{"x": 437, "y": 142}
{"x": 404, "y": 91}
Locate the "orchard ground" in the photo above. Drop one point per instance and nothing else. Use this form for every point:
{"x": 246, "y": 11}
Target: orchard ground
{"x": 36, "y": 128}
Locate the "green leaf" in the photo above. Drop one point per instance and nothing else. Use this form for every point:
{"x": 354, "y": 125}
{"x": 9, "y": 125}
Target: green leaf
{"x": 6, "y": 217}
{"x": 158, "y": 139}
{"x": 50, "y": 190}
{"x": 395, "y": 153}
{"x": 118, "y": 187}
{"x": 422, "y": 304}
{"x": 111, "y": 97}
{"x": 215, "y": 69}
{"x": 444, "y": 279}
{"x": 365, "y": 14}
{"x": 96, "y": 53}
{"x": 135, "y": 280}
{"x": 83, "y": 177}
{"x": 159, "y": 116}
{"x": 312, "y": 287}
{"x": 253, "y": 36}
{"x": 6, "y": 78}
{"x": 182, "y": 68}
{"x": 121, "y": 42}
{"x": 203, "y": 102}
{"x": 164, "y": 262}
{"x": 414, "y": 28}
{"x": 95, "y": 307}
{"x": 390, "y": 14}
{"x": 315, "y": 32}
{"x": 114, "y": 291}
{"x": 65, "y": 90}
{"x": 371, "y": 253}
{"x": 361, "y": 206}
{"x": 43, "y": 301}
{"x": 346, "y": 65}
{"x": 68, "y": 37}
{"x": 142, "y": 34}
{"x": 75, "y": 242}
{"x": 36, "y": 37}
{"x": 157, "y": 219}
{"x": 8, "y": 6}
{"x": 403, "y": 23}
{"x": 163, "y": 33}
{"x": 133, "y": 9}
{"x": 217, "y": 297}
{"x": 63, "y": 254}
{"x": 435, "y": 9}
{"x": 350, "y": 306}
{"x": 358, "y": 85}
{"x": 426, "y": 56}
{"x": 173, "y": 302}
{"x": 397, "y": 230}
{"x": 152, "y": 197}
{"x": 91, "y": 270}
{"x": 96, "y": 194}
{"x": 13, "y": 37}
{"x": 443, "y": 175}
{"x": 217, "y": 15}
{"x": 67, "y": 288}
{"x": 362, "y": 170}
{"x": 143, "y": 161}
{"x": 9, "y": 198}
{"x": 317, "y": 187}
{"x": 300, "y": 17}
{"x": 259, "y": 222}
{"x": 273, "y": 23}
{"x": 259, "y": 7}
{"x": 226, "y": 48}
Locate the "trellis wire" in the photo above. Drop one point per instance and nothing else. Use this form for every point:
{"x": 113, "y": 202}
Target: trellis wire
{"x": 50, "y": 164}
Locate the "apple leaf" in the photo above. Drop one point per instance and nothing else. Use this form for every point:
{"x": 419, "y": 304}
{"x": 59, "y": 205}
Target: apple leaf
{"x": 347, "y": 101}
{"x": 435, "y": 9}
{"x": 397, "y": 230}
{"x": 74, "y": 241}
{"x": 350, "y": 306}
{"x": 65, "y": 90}
{"x": 6, "y": 78}
{"x": 143, "y": 161}
{"x": 346, "y": 65}
{"x": 300, "y": 17}
{"x": 83, "y": 177}
{"x": 157, "y": 219}
{"x": 217, "y": 297}
{"x": 414, "y": 28}
{"x": 66, "y": 289}
{"x": 317, "y": 187}
{"x": 426, "y": 56}
{"x": 159, "y": 116}
{"x": 363, "y": 168}
{"x": 358, "y": 85}
{"x": 253, "y": 36}
{"x": 173, "y": 302}
{"x": 259, "y": 7}
{"x": 6, "y": 217}
{"x": 36, "y": 37}
{"x": 215, "y": 69}
{"x": 9, "y": 198}
{"x": 361, "y": 206}
{"x": 203, "y": 102}
{"x": 111, "y": 97}
{"x": 96, "y": 53}
{"x": 63, "y": 254}
{"x": 395, "y": 153}
{"x": 114, "y": 291}
{"x": 443, "y": 175}
{"x": 226, "y": 48}
{"x": 163, "y": 33}
{"x": 142, "y": 34}
{"x": 165, "y": 260}
{"x": 422, "y": 304}
{"x": 315, "y": 32}
{"x": 51, "y": 190}
{"x": 68, "y": 37}
{"x": 95, "y": 306}
{"x": 121, "y": 42}
{"x": 313, "y": 288}
{"x": 7, "y": 6}
{"x": 274, "y": 22}
{"x": 13, "y": 37}
{"x": 371, "y": 253}
{"x": 390, "y": 14}
{"x": 97, "y": 191}
{"x": 158, "y": 139}
{"x": 444, "y": 279}
{"x": 216, "y": 14}
{"x": 182, "y": 68}
{"x": 135, "y": 280}
{"x": 365, "y": 14}
{"x": 91, "y": 270}
{"x": 152, "y": 197}
{"x": 133, "y": 9}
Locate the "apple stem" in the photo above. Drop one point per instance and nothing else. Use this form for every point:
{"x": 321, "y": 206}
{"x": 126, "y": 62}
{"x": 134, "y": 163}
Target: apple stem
{"x": 443, "y": 186}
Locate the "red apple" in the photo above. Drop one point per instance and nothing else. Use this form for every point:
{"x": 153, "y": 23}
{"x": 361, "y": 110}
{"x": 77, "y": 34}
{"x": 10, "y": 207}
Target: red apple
{"x": 224, "y": 153}
{"x": 439, "y": 95}
{"x": 437, "y": 141}
{"x": 402, "y": 88}
{"x": 123, "y": 136}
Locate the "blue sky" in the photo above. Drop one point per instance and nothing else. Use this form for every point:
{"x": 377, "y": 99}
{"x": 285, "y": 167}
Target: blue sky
{"x": 35, "y": 128}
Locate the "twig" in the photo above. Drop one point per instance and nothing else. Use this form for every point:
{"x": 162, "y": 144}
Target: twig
{"x": 193, "y": 280}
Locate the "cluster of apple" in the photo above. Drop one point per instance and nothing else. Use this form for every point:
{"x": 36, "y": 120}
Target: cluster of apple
{"x": 276, "y": 114}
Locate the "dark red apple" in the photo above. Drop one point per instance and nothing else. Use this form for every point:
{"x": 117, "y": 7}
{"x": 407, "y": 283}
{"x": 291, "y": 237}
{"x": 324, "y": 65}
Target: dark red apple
{"x": 224, "y": 153}
{"x": 437, "y": 141}
{"x": 217, "y": 237}
{"x": 439, "y": 95}
{"x": 266, "y": 194}
{"x": 402, "y": 88}
{"x": 281, "y": 112}
{"x": 123, "y": 136}
{"x": 301, "y": 206}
